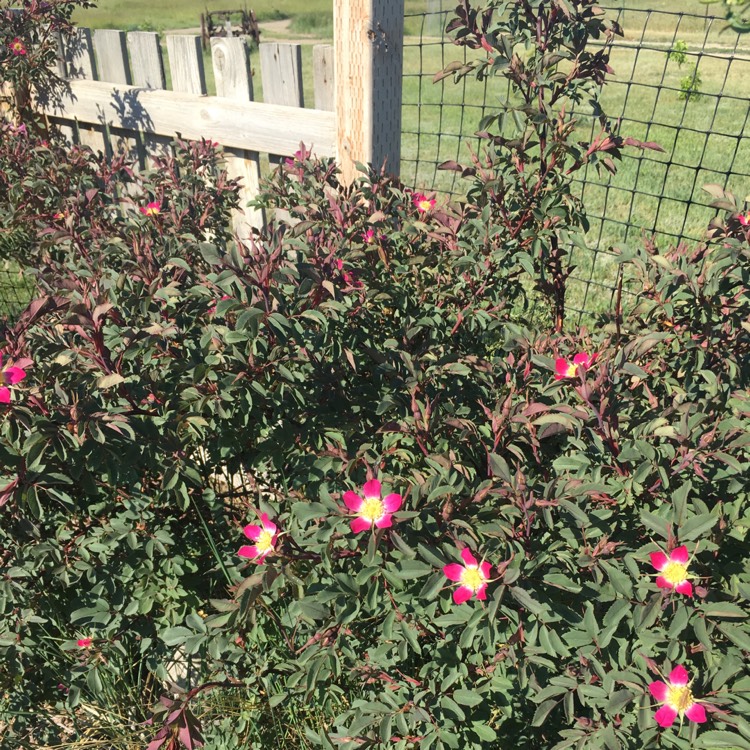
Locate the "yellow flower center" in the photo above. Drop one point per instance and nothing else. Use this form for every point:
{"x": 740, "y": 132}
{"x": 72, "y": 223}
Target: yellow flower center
{"x": 679, "y": 698}
{"x": 372, "y": 509}
{"x": 674, "y": 573}
{"x": 152, "y": 211}
{"x": 425, "y": 205}
{"x": 472, "y": 578}
{"x": 17, "y": 46}
{"x": 265, "y": 541}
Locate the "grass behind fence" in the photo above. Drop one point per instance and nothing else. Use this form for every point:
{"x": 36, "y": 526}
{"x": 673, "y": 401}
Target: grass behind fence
{"x": 704, "y": 130}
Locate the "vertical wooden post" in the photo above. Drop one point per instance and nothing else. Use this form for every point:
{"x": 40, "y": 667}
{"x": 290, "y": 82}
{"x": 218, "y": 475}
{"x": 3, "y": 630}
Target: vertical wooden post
{"x": 112, "y": 56}
{"x": 233, "y": 81}
{"x": 368, "y": 58}
{"x": 186, "y": 64}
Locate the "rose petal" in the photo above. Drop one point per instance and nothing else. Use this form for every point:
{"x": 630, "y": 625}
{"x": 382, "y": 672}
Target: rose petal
{"x": 13, "y": 375}
{"x": 353, "y": 501}
{"x": 468, "y": 558}
{"x": 663, "y": 583}
{"x": 360, "y": 524}
{"x": 392, "y": 502}
{"x": 684, "y": 588}
{"x": 561, "y": 367}
{"x": 680, "y": 555}
{"x": 384, "y": 521}
{"x": 679, "y": 676}
{"x": 454, "y": 571}
{"x": 582, "y": 359}
{"x": 665, "y": 716}
{"x": 371, "y": 488}
{"x": 262, "y": 557}
{"x": 486, "y": 569}
{"x": 659, "y": 690}
{"x": 4, "y": 395}
{"x": 482, "y": 592}
{"x": 252, "y": 531}
{"x": 658, "y": 560}
{"x": 267, "y": 524}
{"x": 247, "y": 551}
{"x": 696, "y": 713}
{"x": 462, "y": 594}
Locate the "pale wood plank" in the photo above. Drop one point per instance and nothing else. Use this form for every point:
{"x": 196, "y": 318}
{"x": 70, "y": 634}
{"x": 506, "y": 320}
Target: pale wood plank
{"x": 250, "y": 125}
{"x": 79, "y": 55}
{"x": 368, "y": 61}
{"x": 147, "y": 69}
{"x": 234, "y": 81}
{"x": 281, "y": 73}
{"x": 323, "y": 77}
{"x": 81, "y": 64}
{"x": 186, "y": 63}
{"x": 146, "y": 64}
{"x": 111, "y": 56}
{"x": 111, "y": 50}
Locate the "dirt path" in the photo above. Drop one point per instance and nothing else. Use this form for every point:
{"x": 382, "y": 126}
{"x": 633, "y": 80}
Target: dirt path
{"x": 269, "y": 31}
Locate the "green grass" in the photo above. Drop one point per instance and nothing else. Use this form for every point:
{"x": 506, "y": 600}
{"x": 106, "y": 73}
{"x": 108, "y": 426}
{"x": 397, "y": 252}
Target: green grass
{"x": 183, "y": 14}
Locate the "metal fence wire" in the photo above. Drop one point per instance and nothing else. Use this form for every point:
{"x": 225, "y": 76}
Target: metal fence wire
{"x": 680, "y": 80}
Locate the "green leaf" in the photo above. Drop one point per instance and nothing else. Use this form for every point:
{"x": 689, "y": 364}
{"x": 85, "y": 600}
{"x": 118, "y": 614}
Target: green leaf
{"x": 724, "y": 610}
{"x": 719, "y": 738}
{"x": 308, "y": 511}
{"x": 527, "y": 601}
{"x": 467, "y": 697}
{"x": 618, "y": 700}
{"x": 542, "y": 712}
{"x": 409, "y": 569}
{"x": 175, "y": 636}
{"x": 696, "y": 527}
{"x": 108, "y": 381}
{"x": 485, "y": 733}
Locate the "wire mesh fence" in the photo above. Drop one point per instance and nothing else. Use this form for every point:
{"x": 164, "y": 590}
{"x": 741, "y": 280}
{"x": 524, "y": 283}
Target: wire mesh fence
{"x": 680, "y": 80}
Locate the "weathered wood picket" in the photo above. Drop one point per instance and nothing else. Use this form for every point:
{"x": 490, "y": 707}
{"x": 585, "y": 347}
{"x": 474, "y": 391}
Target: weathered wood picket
{"x": 118, "y": 96}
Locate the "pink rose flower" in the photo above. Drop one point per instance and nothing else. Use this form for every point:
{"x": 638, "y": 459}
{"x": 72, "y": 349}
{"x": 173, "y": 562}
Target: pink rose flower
{"x": 370, "y": 509}
{"x": 472, "y": 577}
{"x": 17, "y": 47}
{"x": 673, "y": 570}
{"x": 422, "y": 203}
{"x": 744, "y": 219}
{"x": 84, "y": 643}
{"x": 565, "y": 369}
{"x": 264, "y": 536}
{"x": 676, "y": 699}
{"x": 151, "y": 209}
{"x": 11, "y": 376}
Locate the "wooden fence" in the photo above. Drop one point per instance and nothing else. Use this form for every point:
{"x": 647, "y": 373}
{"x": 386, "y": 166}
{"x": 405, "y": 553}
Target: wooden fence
{"x": 118, "y": 97}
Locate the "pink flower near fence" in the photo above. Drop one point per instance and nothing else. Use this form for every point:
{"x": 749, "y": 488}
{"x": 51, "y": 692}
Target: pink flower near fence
{"x": 151, "y": 209}
{"x": 9, "y": 376}
{"x": 264, "y": 535}
{"x": 472, "y": 577}
{"x": 17, "y": 47}
{"x": 676, "y": 699}
{"x": 565, "y": 369}
{"x": 673, "y": 573}
{"x": 371, "y": 510}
